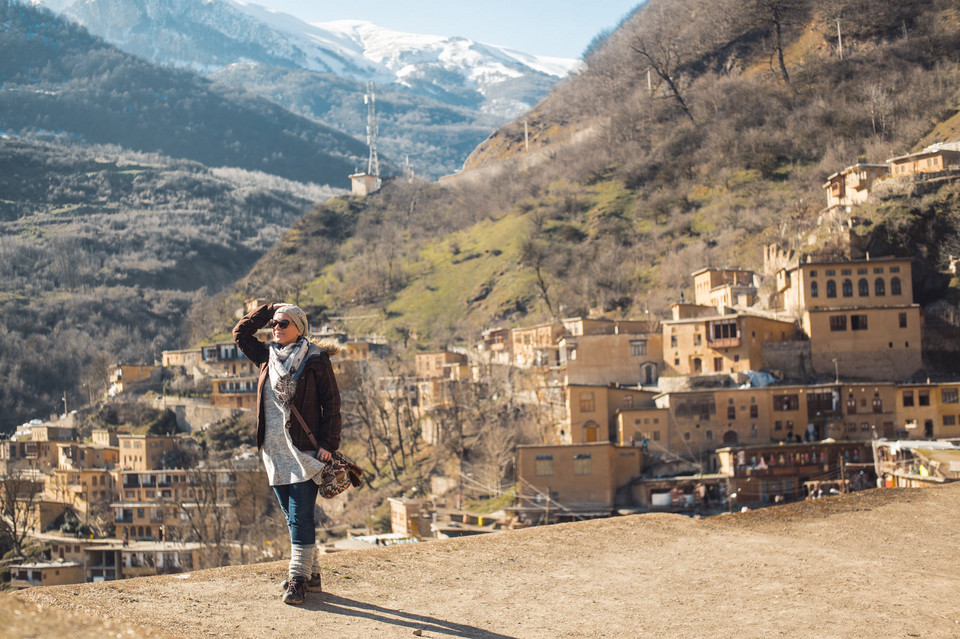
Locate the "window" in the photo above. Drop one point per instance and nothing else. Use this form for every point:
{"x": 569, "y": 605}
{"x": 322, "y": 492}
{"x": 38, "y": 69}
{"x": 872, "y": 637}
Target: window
{"x": 851, "y": 406}
{"x": 948, "y": 396}
{"x": 731, "y": 412}
{"x": 725, "y": 330}
{"x": 903, "y": 320}
{"x": 638, "y": 348}
{"x": 865, "y": 426}
{"x": 673, "y": 341}
{"x": 718, "y": 364}
{"x": 861, "y": 271}
{"x": 923, "y": 398}
{"x": 831, "y": 288}
{"x": 697, "y": 339}
{"x": 878, "y": 269}
{"x": 786, "y": 402}
{"x": 656, "y": 435}
{"x": 709, "y": 435}
{"x": 753, "y": 431}
{"x": 845, "y": 271}
{"x": 851, "y": 427}
{"x": 543, "y": 465}
{"x": 908, "y": 398}
{"x": 582, "y": 464}
{"x": 778, "y": 425}
{"x": 838, "y": 322}
{"x": 949, "y": 420}
{"x": 894, "y": 269}
{"x": 814, "y": 289}
{"x": 847, "y": 288}
{"x": 863, "y": 287}
{"x": 880, "y": 287}
{"x": 813, "y": 273}
{"x": 587, "y": 403}
{"x": 895, "y": 288}
{"x": 829, "y": 272}
{"x": 754, "y": 411}
{"x": 858, "y": 322}
{"x": 877, "y": 405}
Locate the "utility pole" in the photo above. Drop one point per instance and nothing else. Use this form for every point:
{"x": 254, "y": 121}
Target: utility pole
{"x": 839, "y": 39}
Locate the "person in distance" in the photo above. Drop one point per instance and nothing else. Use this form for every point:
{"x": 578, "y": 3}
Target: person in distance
{"x": 298, "y": 426}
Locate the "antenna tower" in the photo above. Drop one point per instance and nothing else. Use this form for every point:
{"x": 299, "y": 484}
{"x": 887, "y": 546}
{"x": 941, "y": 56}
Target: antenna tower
{"x": 373, "y": 132}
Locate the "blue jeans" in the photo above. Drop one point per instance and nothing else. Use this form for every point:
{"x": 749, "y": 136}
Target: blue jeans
{"x": 297, "y": 502}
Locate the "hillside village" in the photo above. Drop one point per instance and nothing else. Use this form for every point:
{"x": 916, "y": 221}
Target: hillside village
{"x": 803, "y": 380}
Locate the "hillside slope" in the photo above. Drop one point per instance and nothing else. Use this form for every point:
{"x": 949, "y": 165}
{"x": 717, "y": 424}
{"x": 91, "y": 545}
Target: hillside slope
{"x": 880, "y": 563}
{"x": 628, "y": 187}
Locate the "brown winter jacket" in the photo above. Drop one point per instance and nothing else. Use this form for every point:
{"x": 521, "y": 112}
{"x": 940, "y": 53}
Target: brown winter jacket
{"x": 317, "y": 396}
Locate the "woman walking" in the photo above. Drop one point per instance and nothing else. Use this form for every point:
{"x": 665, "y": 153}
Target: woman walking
{"x": 298, "y": 426}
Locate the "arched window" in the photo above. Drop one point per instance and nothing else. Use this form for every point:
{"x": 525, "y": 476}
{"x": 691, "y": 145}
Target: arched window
{"x": 831, "y": 288}
{"x": 864, "y": 287}
{"x": 814, "y": 289}
{"x": 895, "y": 286}
{"x": 847, "y": 288}
{"x": 880, "y": 287}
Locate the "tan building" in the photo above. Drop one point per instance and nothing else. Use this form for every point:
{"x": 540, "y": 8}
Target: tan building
{"x": 103, "y": 438}
{"x": 591, "y": 411}
{"x": 536, "y": 346}
{"x": 46, "y": 573}
{"x": 617, "y": 358}
{"x": 122, "y": 376}
{"x": 73, "y": 456}
{"x": 40, "y": 455}
{"x": 82, "y": 488}
{"x": 717, "y": 287}
{"x": 913, "y": 464}
{"x": 851, "y": 186}
{"x": 859, "y": 316}
{"x": 187, "y": 359}
{"x": 116, "y": 560}
{"x": 144, "y": 452}
{"x": 234, "y": 392}
{"x": 442, "y": 365}
{"x": 928, "y": 411}
{"x": 227, "y": 360}
{"x": 759, "y": 474}
{"x": 933, "y": 159}
{"x": 410, "y": 517}
{"x": 563, "y": 482}
{"x": 718, "y": 343}
{"x": 498, "y": 345}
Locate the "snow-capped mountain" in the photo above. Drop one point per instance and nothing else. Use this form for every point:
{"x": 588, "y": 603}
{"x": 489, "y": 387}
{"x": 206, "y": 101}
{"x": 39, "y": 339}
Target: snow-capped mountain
{"x": 207, "y": 35}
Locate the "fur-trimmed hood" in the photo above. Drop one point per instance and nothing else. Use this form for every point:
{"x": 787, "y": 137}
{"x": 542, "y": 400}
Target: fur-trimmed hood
{"x": 328, "y": 346}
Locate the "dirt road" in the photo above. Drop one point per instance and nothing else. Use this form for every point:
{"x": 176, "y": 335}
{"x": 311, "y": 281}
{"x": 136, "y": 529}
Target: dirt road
{"x": 873, "y": 564}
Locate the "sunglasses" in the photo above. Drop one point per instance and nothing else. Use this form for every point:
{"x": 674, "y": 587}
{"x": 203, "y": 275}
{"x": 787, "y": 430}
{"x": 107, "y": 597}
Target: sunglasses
{"x": 281, "y": 324}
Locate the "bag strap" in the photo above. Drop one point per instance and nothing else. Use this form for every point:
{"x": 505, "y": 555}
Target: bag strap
{"x": 303, "y": 425}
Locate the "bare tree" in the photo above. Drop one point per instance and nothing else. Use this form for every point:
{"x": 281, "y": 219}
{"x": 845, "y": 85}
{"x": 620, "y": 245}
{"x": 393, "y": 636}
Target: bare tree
{"x": 207, "y": 516}
{"x": 18, "y": 495}
{"x": 661, "y": 54}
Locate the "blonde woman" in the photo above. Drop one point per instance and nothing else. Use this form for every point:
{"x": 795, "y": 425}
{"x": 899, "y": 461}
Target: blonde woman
{"x": 298, "y": 426}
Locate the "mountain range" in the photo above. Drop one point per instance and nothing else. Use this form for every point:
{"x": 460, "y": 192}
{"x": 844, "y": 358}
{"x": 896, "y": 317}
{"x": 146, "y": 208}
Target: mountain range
{"x": 435, "y": 92}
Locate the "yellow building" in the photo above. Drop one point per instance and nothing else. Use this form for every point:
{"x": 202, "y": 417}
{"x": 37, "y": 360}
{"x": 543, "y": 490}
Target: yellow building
{"x": 698, "y": 344}
{"x": 858, "y": 315}
{"x": 122, "y": 376}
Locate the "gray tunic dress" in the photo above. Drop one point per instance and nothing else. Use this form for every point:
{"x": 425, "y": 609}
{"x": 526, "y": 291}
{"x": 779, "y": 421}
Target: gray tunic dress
{"x": 283, "y": 461}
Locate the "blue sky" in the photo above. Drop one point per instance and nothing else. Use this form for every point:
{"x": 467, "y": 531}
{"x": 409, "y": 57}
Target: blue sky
{"x": 561, "y": 28}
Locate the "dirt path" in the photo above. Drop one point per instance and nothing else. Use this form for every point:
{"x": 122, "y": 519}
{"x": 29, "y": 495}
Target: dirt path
{"x": 874, "y": 564}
